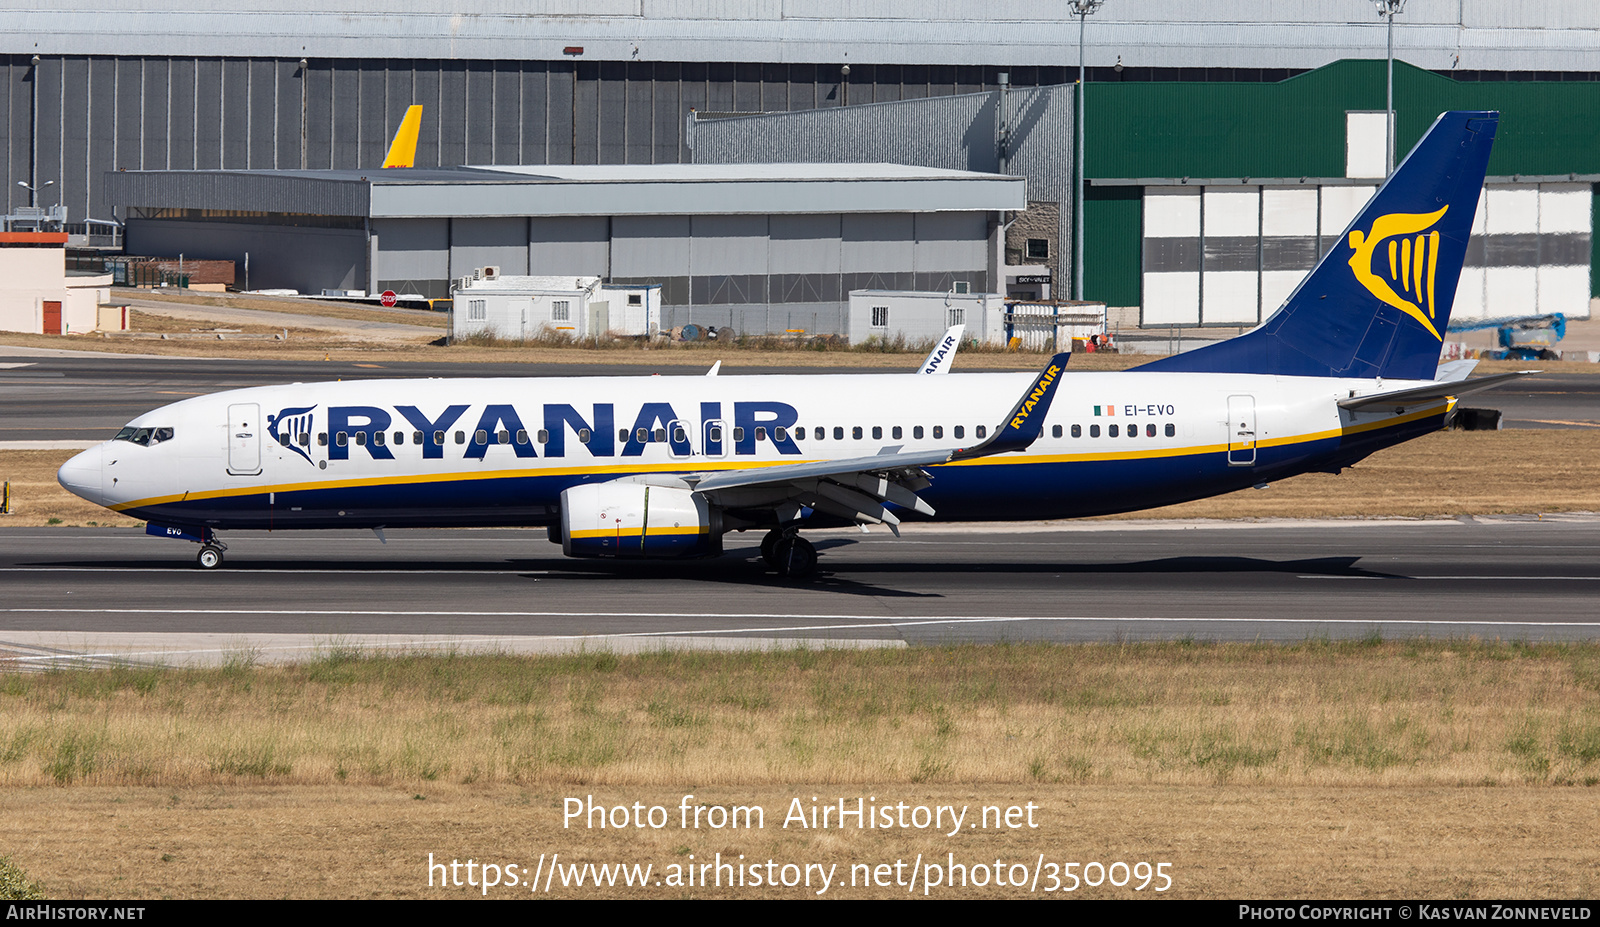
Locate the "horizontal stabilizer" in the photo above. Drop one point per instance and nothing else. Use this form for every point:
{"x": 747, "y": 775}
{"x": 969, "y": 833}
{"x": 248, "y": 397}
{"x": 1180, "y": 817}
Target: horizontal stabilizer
{"x": 1405, "y": 398}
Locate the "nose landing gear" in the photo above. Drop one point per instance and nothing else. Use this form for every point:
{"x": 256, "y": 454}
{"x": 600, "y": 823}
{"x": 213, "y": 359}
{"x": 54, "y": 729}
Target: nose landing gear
{"x": 211, "y": 546}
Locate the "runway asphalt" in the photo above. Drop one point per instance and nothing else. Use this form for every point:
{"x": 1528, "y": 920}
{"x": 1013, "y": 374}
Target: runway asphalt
{"x": 119, "y": 593}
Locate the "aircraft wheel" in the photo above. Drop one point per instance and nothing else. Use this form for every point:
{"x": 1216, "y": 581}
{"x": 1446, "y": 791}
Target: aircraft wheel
{"x": 797, "y": 559}
{"x": 209, "y": 558}
{"x": 769, "y": 546}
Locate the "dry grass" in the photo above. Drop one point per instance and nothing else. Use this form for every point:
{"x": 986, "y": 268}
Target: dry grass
{"x": 1181, "y": 714}
{"x": 1222, "y": 842}
{"x": 1445, "y": 474}
{"x": 1367, "y": 769}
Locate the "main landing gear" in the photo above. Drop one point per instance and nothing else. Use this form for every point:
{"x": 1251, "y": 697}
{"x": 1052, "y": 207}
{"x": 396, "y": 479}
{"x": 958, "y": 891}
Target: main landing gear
{"x": 789, "y": 553}
{"x": 210, "y": 556}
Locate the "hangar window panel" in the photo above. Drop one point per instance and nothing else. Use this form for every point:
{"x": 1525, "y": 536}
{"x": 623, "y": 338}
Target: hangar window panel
{"x": 561, "y": 310}
{"x": 1038, "y": 249}
{"x": 880, "y": 316}
{"x": 477, "y": 310}
{"x": 956, "y": 315}
{"x": 1366, "y": 144}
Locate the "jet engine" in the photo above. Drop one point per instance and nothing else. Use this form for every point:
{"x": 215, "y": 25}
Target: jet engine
{"x": 636, "y": 520}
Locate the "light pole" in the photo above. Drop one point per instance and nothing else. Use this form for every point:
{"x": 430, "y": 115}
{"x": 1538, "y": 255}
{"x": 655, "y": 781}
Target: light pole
{"x": 1080, "y": 9}
{"x": 33, "y": 192}
{"x": 1388, "y": 9}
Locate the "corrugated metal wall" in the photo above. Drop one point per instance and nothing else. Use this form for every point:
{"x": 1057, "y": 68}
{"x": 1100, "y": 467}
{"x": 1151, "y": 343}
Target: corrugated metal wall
{"x": 99, "y": 114}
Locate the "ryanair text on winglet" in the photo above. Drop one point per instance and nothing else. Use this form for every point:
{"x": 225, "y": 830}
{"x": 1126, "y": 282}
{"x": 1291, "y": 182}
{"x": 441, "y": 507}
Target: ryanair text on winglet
{"x": 1039, "y": 389}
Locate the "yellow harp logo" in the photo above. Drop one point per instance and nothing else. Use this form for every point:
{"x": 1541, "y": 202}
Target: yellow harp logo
{"x": 1413, "y": 254}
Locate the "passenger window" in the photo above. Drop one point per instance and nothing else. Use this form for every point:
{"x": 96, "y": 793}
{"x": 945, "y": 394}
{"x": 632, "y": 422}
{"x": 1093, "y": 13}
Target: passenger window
{"x": 583, "y": 436}
{"x": 305, "y": 439}
{"x": 896, "y": 432}
{"x": 761, "y": 432}
{"x": 642, "y": 435}
{"x": 399, "y": 437}
{"x": 342, "y": 439}
{"x": 856, "y": 432}
{"x": 322, "y": 439}
{"x": 660, "y": 436}
{"x": 1133, "y": 431}
{"x": 622, "y": 434}
{"x": 1150, "y": 430}
{"x": 542, "y": 435}
{"x": 377, "y": 438}
{"x": 916, "y": 432}
{"x": 780, "y": 433}
{"x": 1094, "y": 431}
{"x": 438, "y": 438}
{"x": 461, "y": 437}
{"x": 838, "y": 433}
{"x": 283, "y": 440}
{"x": 938, "y": 431}
{"x": 714, "y": 435}
{"x": 480, "y": 437}
{"x": 1172, "y": 430}
{"x": 1111, "y": 431}
{"x": 522, "y": 436}
{"x": 504, "y": 437}
{"x": 1055, "y": 431}
{"x": 820, "y": 433}
{"x": 877, "y": 432}
{"x": 983, "y": 431}
{"x": 1077, "y": 431}
{"x": 361, "y": 438}
{"x": 738, "y": 434}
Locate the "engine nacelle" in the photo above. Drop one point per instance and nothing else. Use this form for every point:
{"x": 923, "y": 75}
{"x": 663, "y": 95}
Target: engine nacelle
{"x": 638, "y": 521}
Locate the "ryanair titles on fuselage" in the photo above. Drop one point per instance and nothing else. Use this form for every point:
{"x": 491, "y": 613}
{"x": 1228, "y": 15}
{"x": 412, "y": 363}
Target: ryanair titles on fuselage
{"x": 364, "y": 426}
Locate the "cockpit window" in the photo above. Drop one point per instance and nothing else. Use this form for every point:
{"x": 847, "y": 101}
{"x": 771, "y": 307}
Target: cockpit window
{"x": 144, "y": 437}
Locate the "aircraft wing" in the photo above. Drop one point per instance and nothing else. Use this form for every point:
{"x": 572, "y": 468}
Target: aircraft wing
{"x": 861, "y": 488}
{"x": 1403, "y": 398}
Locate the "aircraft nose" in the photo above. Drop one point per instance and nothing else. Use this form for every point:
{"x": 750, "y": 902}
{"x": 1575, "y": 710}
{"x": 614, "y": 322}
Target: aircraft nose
{"x": 81, "y": 475}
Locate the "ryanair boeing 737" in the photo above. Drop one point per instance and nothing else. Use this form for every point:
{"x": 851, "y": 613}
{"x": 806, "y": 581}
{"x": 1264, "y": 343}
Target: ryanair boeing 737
{"x": 665, "y": 466}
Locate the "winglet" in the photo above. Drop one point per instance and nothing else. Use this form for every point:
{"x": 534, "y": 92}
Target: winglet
{"x": 944, "y": 351}
{"x": 403, "y": 150}
{"x": 1026, "y": 421}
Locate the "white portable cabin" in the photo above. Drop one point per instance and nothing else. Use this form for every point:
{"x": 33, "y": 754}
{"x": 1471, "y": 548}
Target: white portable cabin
{"x": 920, "y": 316}
{"x": 517, "y": 307}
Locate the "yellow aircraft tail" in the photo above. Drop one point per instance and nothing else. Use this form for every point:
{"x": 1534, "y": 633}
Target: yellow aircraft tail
{"x": 403, "y": 150}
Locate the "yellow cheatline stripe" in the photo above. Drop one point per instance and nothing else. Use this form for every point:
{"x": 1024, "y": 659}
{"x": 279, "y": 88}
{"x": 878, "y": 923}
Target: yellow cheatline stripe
{"x": 634, "y": 532}
{"x": 703, "y": 466}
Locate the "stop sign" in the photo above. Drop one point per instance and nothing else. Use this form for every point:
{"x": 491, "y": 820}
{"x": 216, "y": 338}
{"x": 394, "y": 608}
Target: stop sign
{"x": 387, "y": 298}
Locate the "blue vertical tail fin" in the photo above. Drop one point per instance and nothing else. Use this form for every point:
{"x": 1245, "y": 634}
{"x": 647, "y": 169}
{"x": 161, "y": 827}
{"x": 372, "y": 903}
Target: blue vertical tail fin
{"x": 1378, "y": 303}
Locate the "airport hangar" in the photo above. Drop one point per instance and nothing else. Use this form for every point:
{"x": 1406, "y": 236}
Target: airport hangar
{"x": 761, "y": 247}
{"x": 235, "y": 84}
